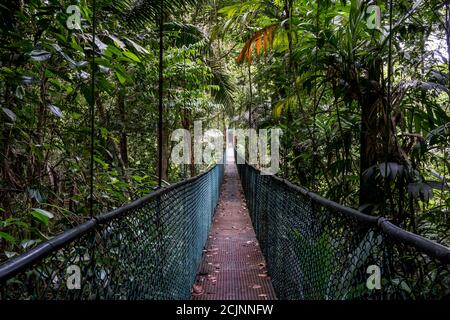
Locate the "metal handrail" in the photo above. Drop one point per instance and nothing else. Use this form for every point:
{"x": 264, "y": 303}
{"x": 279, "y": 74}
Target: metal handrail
{"x": 396, "y": 233}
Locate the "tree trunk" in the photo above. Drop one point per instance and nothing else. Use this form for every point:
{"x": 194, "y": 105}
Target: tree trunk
{"x": 371, "y": 138}
{"x": 39, "y": 165}
{"x": 165, "y": 153}
{"x": 187, "y": 124}
{"x": 123, "y": 135}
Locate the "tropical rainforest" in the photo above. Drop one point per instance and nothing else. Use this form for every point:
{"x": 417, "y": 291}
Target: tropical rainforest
{"x": 362, "y": 96}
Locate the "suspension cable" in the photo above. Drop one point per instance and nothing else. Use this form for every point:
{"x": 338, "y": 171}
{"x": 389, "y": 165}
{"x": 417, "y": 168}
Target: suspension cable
{"x": 160, "y": 106}
{"x": 313, "y": 142}
{"x": 92, "y": 115}
{"x": 185, "y": 168}
{"x": 388, "y": 110}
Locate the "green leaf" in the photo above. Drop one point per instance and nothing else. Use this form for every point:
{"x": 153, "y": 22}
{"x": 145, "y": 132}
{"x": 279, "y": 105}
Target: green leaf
{"x": 40, "y": 55}
{"x": 138, "y": 178}
{"x": 76, "y": 116}
{"x": 12, "y": 221}
{"x": 10, "y": 254}
{"x": 117, "y": 42}
{"x": 42, "y": 219}
{"x": 44, "y": 213}
{"x": 7, "y": 237}
{"x": 42, "y": 216}
{"x": 101, "y": 162}
{"x": 10, "y": 114}
{"x": 27, "y": 243}
{"x": 20, "y": 92}
{"x": 132, "y": 56}
{"x": 55, "y": 110}
{"x": 34, "y": 193}
{"x": 65, "y": 56}
{"x": 104, "y": 133}
{"x": 138, "y": 48}
{"x": 121, "y": 77}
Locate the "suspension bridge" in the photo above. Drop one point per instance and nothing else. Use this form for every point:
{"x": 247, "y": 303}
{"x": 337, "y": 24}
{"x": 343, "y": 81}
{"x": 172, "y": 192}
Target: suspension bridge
{"x": 231, "y": 233}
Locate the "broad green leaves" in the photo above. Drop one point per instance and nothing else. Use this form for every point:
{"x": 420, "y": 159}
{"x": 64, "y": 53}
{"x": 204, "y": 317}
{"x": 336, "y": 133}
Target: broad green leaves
{"x": 137, "y": 47}
{"x": 42, "y": 216}
{"x": 6, "y": 236}
{"x": 132, "y": 56}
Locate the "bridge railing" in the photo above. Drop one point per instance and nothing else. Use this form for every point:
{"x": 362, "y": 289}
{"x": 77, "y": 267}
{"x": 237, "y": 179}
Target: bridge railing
{"x": 149, "y": 249}
{"x": 318, "y": 249}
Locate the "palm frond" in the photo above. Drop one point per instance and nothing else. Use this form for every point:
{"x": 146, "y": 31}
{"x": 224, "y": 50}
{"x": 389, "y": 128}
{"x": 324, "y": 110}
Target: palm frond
{"x": 263, "y": 37}
{"x": 222, "y": 79}
{"x": 140, "y": 13}
{"x": 185, "y": 34}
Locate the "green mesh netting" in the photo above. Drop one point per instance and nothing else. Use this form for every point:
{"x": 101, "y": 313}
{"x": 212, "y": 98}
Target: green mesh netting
{"x": 317, "y": 249}
{"x": 150, "y": 249}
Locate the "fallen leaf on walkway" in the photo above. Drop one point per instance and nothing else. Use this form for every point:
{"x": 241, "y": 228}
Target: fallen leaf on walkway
{"x": 197, "y": 289}
{"x": 257, "y": 286}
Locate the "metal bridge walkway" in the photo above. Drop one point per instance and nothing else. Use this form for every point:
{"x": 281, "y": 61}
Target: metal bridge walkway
{"x": 233, "y": 266}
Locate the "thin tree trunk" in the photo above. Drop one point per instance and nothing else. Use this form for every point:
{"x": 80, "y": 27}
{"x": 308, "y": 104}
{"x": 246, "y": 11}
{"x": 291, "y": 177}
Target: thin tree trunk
{"x": 41, "y": 124}
{"x": 123, "y": 135}
{"x": 165, "y": 153}
{"x": 187, "y": 125}
{"x": 371, "y": 147}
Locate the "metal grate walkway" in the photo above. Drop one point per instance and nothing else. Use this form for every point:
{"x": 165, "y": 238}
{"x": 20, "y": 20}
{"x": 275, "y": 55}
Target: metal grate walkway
{"x": 233, "y": 267}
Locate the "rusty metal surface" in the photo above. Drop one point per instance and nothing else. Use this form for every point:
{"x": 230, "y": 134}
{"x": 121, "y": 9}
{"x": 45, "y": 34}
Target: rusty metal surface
{"x": 233, "y": 267}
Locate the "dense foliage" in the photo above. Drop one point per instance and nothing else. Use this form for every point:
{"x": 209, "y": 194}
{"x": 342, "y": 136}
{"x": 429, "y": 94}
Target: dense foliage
{"x": 365, "y": 111}
{"x": 46, "y": 99}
